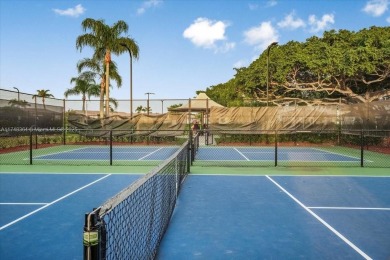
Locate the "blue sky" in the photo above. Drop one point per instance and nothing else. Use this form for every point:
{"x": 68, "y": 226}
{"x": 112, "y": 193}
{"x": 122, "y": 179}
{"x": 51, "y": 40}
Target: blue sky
{"x": 185, "y": 45}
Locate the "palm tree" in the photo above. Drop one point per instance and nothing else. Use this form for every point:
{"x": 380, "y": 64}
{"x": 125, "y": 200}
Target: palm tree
{"x": 43, "y": 93}
{"x": 84, "y": 85}
{"x": 114, "y": 103}
{"x": 105, "y": 40}
{"x": 97, "y": 71}
{"x": 140, "y": 109}
{"x": 18, "y": 103}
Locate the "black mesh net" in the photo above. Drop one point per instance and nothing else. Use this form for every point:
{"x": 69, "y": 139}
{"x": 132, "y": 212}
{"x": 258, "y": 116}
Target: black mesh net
{"x": 132, "y": 223}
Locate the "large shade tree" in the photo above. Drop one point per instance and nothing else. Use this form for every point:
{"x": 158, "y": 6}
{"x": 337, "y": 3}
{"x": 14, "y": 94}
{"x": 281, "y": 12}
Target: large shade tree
{"x": 342, "y": 65}
{"x": 106, "y": 40}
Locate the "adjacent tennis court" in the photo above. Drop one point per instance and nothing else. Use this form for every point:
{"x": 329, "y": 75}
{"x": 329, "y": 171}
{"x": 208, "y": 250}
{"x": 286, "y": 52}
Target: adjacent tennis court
{"x": 100, "y": 154}
{"x": 149, "y": 153}
{"x": 269, "y": 153}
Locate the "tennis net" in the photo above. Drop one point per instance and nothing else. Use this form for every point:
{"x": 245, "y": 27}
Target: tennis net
{"x": 131, "y": 224}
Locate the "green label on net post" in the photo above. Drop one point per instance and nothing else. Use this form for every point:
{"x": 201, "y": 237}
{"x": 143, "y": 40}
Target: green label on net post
{"x": 91, "y": 238}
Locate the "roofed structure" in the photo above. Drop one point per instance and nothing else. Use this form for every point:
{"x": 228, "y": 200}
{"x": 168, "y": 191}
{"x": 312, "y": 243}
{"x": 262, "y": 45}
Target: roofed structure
{"x": 201, "y": 103}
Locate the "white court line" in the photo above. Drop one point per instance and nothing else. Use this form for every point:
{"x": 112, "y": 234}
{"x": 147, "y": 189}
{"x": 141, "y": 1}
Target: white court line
{"x": 67, "y": 151}
{"x": 149, "y": 154}
{"x": 340, "y": 154}
{"x": 53, "y": 202}
{"x": 241, "y": 154}
{"x": 23, "y": 203}
{"x": 322, "y": 221}
{"x": 348, "y": 208}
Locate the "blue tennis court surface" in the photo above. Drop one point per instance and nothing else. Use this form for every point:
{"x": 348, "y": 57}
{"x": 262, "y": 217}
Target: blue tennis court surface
{"x": 42, "y": 215}
{"x": 216, "y": 217}
{"x": 280, "y": 217}
{"x": 268, "y": 154}
{"x": 118, "y": 153}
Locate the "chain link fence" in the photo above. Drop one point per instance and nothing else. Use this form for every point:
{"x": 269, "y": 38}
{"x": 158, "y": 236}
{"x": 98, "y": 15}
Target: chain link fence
{"x": 34, "y": 130}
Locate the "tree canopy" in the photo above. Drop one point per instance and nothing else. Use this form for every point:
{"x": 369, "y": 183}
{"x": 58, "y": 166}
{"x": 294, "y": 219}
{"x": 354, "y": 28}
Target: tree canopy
{"x": 346, "y": 66}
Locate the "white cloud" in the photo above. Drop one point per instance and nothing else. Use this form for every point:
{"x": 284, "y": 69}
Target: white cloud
{"x": 388, "y": 19}
{"x": 376, "y": 7}
{"x": 206, "y": 33}
{"x": 271, "y": 3}
{"x": 290, "y": 22}
{"x": 73, "y": 12}
{"x": 320, "y": 25}
{"x": 148, "y": 4}
{"x": 227, "y": 46}
{"x": 261, "y": 36}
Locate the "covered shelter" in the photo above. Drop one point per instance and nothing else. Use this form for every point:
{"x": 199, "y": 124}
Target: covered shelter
{"x": 202, "y": 105}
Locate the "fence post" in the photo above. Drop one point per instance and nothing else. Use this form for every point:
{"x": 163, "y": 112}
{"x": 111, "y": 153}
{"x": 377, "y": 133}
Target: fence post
{"x": 276, "y": 148}
{"x": 110, "y": 147}
{"x": 188, "y": 158}
{"x": 64, "y": 123}
{"x": 362, "y": 149}
{"x": 31, "y": 145}
{"x": 192, "y": 146}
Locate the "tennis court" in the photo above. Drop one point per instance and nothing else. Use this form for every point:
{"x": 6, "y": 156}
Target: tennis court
{"x": 268, "y": 154}
{"x": 91, "y": 155}
{"x": 118, "y": 153}
{"x": 42, "y": 215}
{"x": 280, "y": 217}
{"x": 216, "y": 216}
{"x": 252, "y": 212}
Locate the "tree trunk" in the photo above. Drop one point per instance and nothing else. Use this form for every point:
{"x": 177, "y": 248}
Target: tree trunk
{"x": 101, "y": 99}
{"x": 84, "y": 111}
{"x": 107, "y": 61}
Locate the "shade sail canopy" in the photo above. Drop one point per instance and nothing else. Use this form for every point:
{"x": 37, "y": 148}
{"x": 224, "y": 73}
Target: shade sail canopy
{"x": 200, "y": 104}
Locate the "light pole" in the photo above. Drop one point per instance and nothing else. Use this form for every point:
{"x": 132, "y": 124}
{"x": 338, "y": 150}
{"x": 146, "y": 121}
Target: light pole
{"x": 131, "y": 80}
{"x": 147, "y": 105}
{"x": 268, "y": 50}
{"x": 18, "y": 93}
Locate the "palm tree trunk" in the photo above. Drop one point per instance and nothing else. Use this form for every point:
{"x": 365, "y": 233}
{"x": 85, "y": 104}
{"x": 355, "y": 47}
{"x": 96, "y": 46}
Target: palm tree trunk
{"x": 107, "y": 61}
{"x": 102, "y": 99}
{"x": 84, "y": 111}
{"x": 43, "y": 102}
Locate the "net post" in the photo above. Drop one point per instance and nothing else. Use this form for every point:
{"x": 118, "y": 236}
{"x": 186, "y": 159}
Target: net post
{"x": 362, "y": 148}
{"x": 31, "y": 145}
{"x": 91, "y": 237}
{"x": 110, "y": 147}
{"x": 276, "y": 148}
